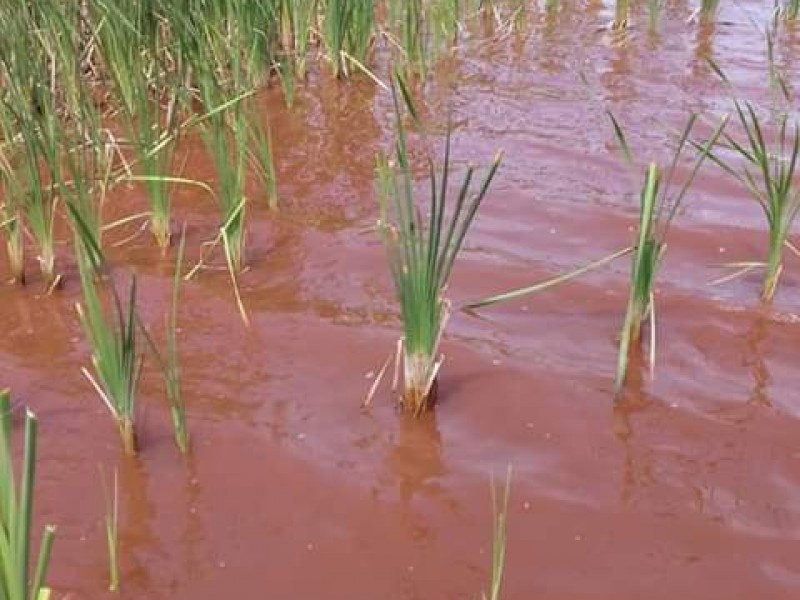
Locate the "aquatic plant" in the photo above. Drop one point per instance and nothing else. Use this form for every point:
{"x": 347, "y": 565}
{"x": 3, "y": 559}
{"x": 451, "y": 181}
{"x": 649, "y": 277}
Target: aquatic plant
{"x": 769, "y": 175}
{"x": 169, "y": 360}
{"x": 421, "y": 254}
{"x": 657, "y": 209}
{"x": 28, "y": 164}
{"x": 347, "y": 33}
{"x": 115, "y": 354}
{"x": 16, "y": 515}
{"x": 148, "y": 96}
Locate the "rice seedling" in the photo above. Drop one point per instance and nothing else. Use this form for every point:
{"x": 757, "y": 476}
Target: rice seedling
{"x": 16, "y": 515}
{"x": 791, "y": 10}
{"x": 421, "y": 255}
{"x": 142, "y": 89}
{"x": 296, "y": 20}
{"x": 115, "y": 354}
{"x": 260, "y": 157}
{"x": 408, "y": 19}
{"x": 769, "y": 175}
{"x": 111, "y": 499}
{"x": 169, "y": 360}
{"x": 347, "y": 33}
{"x": 657, "y": 210}
{"x": 29, "y": 161}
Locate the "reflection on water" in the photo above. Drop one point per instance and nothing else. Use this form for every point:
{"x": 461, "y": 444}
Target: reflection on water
{"x": 415, "y": 457}
{"x": 138, "y": 541}
{"x": 754, "y": 360}
{"x": 637, "y": 468}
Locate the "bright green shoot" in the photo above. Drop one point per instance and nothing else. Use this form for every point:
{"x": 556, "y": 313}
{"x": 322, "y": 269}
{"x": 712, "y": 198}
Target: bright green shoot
{"x": 16, "y": 515}
{"x": 111, "y": 498}
{"x": 115, "y": 357}
{"x": 421, "y": 256}
{"x": 657, "y": 209}
{"x": 769, "y": 175}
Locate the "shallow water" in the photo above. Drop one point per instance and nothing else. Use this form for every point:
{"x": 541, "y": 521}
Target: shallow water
{"x": 689, "y": 489}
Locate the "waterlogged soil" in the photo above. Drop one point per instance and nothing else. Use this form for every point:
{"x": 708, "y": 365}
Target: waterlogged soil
{"x": 689, "y": 488}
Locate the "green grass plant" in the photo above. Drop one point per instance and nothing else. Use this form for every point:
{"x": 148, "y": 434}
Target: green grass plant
{"x": 422, "y": 252}
{"x": 16, "y": 515}
{"x": 169, "y": 360}
{"x": 768, "y": 173}
{"x": 148, "y": 97}
{"x": 116, "y": 360}
{"x": 29, "y": 166}
{"x": 657, "y": 209}
{"x": 348, "y": 29}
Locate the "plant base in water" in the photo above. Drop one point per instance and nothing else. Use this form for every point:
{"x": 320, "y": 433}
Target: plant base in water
{"x": 128, "y": 436}
{"x": 420, "y": 383}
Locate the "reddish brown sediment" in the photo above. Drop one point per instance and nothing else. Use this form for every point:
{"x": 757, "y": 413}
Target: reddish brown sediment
{"x": 689, "y": 488}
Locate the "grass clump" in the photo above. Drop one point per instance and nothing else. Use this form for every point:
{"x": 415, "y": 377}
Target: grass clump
{"x": 115, "y": 355}
{"x": 769, "y": 175}
{"x": 16, "y": 515}
{"x": 421, "y": 254}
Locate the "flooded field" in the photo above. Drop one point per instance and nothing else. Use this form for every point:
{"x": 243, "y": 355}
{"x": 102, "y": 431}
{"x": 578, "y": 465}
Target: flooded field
{"x": 686, "y": 487}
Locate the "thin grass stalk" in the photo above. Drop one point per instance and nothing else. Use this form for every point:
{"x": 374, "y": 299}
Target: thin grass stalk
{"x": 115, "y": 355}
{"x": 111, "y": 500}
{"x": 499, "y": 538}
{"x": 174, "y": 395}
{"x": 16, "y": 513}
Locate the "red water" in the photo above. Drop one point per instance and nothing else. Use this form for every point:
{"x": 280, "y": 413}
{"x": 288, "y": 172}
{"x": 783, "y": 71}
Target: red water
{"x": 689, "y": 489}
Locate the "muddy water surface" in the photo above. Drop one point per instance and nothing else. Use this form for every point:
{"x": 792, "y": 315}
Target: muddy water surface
{"x": 689, "y": 489}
